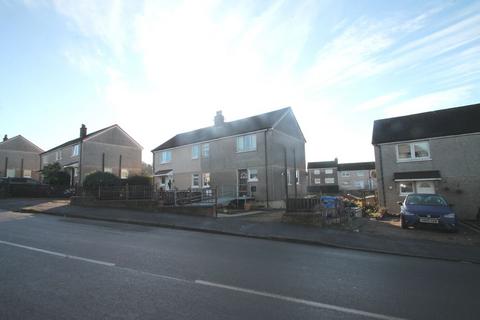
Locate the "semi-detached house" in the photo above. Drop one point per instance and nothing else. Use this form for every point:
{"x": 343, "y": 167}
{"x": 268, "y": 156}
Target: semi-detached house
{"x": 109, "y": 149}
{"x": 19, "y": 157}
{"x": 430, "y": 152}
{"x": 260, "y": 157}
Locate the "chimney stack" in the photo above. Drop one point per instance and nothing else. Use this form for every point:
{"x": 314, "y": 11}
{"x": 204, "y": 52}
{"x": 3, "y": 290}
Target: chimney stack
{"x": 83, "y": 131}
{"x": 5, "y": 138}
{"x": 219, "y": 120}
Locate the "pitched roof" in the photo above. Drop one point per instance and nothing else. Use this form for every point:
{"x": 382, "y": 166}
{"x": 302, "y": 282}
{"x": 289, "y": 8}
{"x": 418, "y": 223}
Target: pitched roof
{"x": 77, "y": 140}
{"x": 322, "y": 164}
{"x": 24, "y": 139}
{"x": 250, "y": 124}
{"x": 356, "y": 166}
{"x": 439, "y": 123}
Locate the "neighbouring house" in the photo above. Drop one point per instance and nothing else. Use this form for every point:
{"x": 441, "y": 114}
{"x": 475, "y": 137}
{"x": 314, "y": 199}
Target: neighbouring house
{"x": 331, "y": 177}
{"x": 322, "y": 177}
{"x": 19, "y": 157}
{"x": 109, "y": 150}
{"x": 357, "y": 176}
{"x": 260, "y": 157}
{"x": 430, "y": 152}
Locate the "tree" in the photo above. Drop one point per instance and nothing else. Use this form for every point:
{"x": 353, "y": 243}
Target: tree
{"x": 55, "y": 176}
{"x": 147, "y": 169}
{"x": 139, "y": 180}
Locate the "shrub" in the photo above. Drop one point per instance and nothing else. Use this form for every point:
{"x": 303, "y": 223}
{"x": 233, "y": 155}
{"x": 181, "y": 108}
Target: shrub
{"x": 139, "y": 180}
{"x": 104, "y": 179}
{"x": 54, "y": 176}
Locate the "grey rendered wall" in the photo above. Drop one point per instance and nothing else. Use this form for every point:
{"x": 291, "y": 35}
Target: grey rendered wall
{"x": 458, "y": 160}
{"x": 15, "y": 150}
{"x": 322, "y": 177}
{"x": 349, "y": 183}
{"x": 67, "y": 158}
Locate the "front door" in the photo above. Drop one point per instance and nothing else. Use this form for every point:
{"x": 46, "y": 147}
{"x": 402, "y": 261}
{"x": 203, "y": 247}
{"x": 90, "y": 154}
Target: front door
{"x": 425, "y": 187}
{"x": 242, "y": 182}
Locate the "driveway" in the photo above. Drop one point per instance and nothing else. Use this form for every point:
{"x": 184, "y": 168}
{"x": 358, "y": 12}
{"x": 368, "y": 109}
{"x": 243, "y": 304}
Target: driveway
{"x": 390, "y": 227}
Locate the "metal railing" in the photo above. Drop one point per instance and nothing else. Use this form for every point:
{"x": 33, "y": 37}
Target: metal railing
{"x": 200, "y": 196}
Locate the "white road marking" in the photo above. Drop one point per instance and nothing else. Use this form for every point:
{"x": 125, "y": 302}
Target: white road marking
{"x": 300, "y": 301}
{"x": 58, "y": 254}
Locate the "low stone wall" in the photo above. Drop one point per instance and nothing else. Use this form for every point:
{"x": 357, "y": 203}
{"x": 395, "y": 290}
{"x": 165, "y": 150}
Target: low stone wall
{"x": 144, "y": 205}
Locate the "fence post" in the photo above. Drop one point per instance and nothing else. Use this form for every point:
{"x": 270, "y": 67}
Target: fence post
{"x": 174, "y": 197}
{"x": 216, "y": 202}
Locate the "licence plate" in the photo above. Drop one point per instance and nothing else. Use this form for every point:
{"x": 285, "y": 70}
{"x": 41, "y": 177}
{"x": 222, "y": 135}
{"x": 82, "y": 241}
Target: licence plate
{"x": 429, "y": 220}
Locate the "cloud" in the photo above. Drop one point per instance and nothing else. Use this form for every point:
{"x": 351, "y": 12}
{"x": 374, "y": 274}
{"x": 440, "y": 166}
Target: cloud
{"x": 379, "y": 101}
{"x": 431, "y": 101}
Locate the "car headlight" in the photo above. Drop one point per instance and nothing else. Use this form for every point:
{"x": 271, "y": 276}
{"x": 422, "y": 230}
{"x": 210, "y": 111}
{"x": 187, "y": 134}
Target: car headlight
{"x": 408, "y": 213}
{"x": 449, "y": 215}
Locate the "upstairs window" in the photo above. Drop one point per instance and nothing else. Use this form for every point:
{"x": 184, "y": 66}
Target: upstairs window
{"x": 58, "y": 155}
{"x": 195, "y": 151}
{"x": 328, "y": 171}
{"x": 345, "y": 173}
{"x": 76, "y": 150}
{"x": 165, "y": 156}
{"x": 413, "y": 151}
{"x": 317, "y": 181}
{"x": 247, "y": 143}
{"x": 360, "y": 173}
{"x": 205, "y": 150}
{"x": 316, "y": 171}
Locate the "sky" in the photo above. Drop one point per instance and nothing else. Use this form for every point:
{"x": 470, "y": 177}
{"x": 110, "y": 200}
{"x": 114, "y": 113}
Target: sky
{"x": 158, "y": 68}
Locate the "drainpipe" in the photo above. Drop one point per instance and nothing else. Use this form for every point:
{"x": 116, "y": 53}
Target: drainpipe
{"x": 295, "y": 172}
{"x": 380, "y": 162}
{"x": 266, "y": 166}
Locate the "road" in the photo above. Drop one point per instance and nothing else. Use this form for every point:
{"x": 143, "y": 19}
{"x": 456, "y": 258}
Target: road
{"x": 57, "y": 268}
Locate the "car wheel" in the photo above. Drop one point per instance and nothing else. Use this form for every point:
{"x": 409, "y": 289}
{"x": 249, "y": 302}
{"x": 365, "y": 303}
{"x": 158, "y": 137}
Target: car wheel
{"x": 402, "y": 223}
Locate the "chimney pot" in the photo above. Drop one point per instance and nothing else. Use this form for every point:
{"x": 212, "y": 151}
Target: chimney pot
{"x": 219, "y": 119}
{"x": 83, "y": 131}
{"x": 5, "y": 138}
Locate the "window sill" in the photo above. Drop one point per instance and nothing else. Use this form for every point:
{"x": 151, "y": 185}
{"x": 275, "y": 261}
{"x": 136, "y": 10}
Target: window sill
{"x": 253, "y": 180}
{"x": 413, "y": 160}
{"x": 253, "y": 150}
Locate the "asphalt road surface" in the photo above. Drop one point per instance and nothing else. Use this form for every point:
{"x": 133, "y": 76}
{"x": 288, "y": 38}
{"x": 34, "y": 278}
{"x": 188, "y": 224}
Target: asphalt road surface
{"x": 56, "y": 268}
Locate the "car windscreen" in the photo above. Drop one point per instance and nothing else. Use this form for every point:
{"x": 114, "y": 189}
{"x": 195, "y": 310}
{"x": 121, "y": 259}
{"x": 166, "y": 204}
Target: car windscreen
{"x": 426, "y": 200}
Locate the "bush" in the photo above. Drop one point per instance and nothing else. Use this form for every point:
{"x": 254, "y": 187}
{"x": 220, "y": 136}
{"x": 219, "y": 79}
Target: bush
{"x": 139, "y": 181}
{"x": 54, "y": 176}
{"x": 104, "y": 179}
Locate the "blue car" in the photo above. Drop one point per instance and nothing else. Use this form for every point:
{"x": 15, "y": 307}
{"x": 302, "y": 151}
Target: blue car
{"x": 427, "y": 209}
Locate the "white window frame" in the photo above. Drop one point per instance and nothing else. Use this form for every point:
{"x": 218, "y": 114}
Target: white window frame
{"x": 289, "y": 181}
{"x": 241, "y": 143}
{"x": 76, "y": 150}
{"x": 195, "y": 151}
{"x": 205, "y": 150}
{"x": 107, "y": 169}
{"x": 297, "y": 176}
{"x": 345, "y": 174}
{"x": 327, "y": 180}
{"x": 27, "y": 173}
{"x": 204, "y": 175}
{"x": 329, "y": 171}
{"x": 164, "y": 158}
{"x": 317, "y": 181}
{"x": 316, "y": 172}
{"x": 9, "y": 173}
{"x": 412, "y": 151}
{"x": 360, "y": 173}
{"x": 124, "y": 174}
{"x": 197, "y": 176}
{"x": 250, "y": 171}
{"x": 406, "y": 193}
{"x": 58, "y": 155}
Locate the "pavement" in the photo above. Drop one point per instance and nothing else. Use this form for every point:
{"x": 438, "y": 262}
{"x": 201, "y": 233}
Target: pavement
{"x": 53, "y": 267}
{"x": 271, "y": 229}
